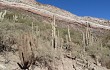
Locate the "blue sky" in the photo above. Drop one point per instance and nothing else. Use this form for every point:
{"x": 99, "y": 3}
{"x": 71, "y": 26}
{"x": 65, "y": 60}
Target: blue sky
{"x": 94, "y": 8}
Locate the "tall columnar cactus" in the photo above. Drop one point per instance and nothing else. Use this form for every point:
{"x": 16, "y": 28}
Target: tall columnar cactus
{"x": 26, "y": 51}
{"x": 58, "y": 39}
{"x": 32, "y": 28}
{"x": 69, "y": 35}
{"x": 37, "y": 31}
{"x": 37, "y": 34}
{"x": 15, "y": 17}
{"x": 84, "y": 41}
{"x": 2, "y": 15}
{"x": 67, "y": 41}
{"x": 87, "y": 37}
{"x": 54, "y": 36}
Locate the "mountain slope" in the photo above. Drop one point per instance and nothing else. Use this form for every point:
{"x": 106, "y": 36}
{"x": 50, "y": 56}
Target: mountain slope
{"x": 51, "y": 40}
{"x": 48, "y": 13}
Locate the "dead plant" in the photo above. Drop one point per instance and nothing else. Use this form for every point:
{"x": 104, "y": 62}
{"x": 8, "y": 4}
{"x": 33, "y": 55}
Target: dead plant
{"x": 26, "y": 53}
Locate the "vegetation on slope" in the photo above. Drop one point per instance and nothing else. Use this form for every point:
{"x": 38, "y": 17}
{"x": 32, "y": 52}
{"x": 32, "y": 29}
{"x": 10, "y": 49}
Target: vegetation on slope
{"x": 52, "y": 40}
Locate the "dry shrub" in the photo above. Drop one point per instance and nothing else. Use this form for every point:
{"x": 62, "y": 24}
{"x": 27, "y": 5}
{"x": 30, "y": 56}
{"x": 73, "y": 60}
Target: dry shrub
{"x": 26, "y": 50}
{"x": 105, "y": 63}
{"x": 108, "y": 64}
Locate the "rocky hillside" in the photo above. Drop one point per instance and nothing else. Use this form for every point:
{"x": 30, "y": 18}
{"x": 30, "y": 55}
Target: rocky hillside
{"x": 46, "y": 11}
{"x": 35, "y": 36}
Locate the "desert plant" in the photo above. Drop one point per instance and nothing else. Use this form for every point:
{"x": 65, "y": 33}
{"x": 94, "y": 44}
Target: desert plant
{"x": 69, "y": 37}
{"x": 2, "y": 15}
{"x": 15, "y": 18}
{"x": 54, "y": 40}
{"x": 26, "y": 52}
{"x": 87, "y": 38}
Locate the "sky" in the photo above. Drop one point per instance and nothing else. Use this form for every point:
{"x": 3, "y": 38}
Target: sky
{"x": 93, "y": 8}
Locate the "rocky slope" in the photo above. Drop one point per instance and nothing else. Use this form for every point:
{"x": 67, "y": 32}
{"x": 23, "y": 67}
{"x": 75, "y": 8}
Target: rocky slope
{"x": 73, "y": 34}
{"x": 59, "y": 14}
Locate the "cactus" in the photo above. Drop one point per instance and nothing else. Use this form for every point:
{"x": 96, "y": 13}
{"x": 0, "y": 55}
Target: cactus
{"x": 2, "y": 15}
{"x": 87, "y": 37}
{"x": 67, "y": 41}
{"x": 58, "y": 39}
{"x": 37, "y": 34}
{"x": 69, "y": 37}
{"x": 32, "y": 28}
{"x": 37, "y": 31}
{"x": 26, "y": 51}
{"x": 83, "y": 41}
{"x": 54, "y": 40}
{"x": 15, "y": 18}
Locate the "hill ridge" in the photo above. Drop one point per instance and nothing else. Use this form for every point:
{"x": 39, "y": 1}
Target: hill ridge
{"x": 47, "y": 13}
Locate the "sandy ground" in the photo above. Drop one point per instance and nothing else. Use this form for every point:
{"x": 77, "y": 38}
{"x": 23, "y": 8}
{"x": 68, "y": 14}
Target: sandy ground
{"x": 9, "y": 62}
